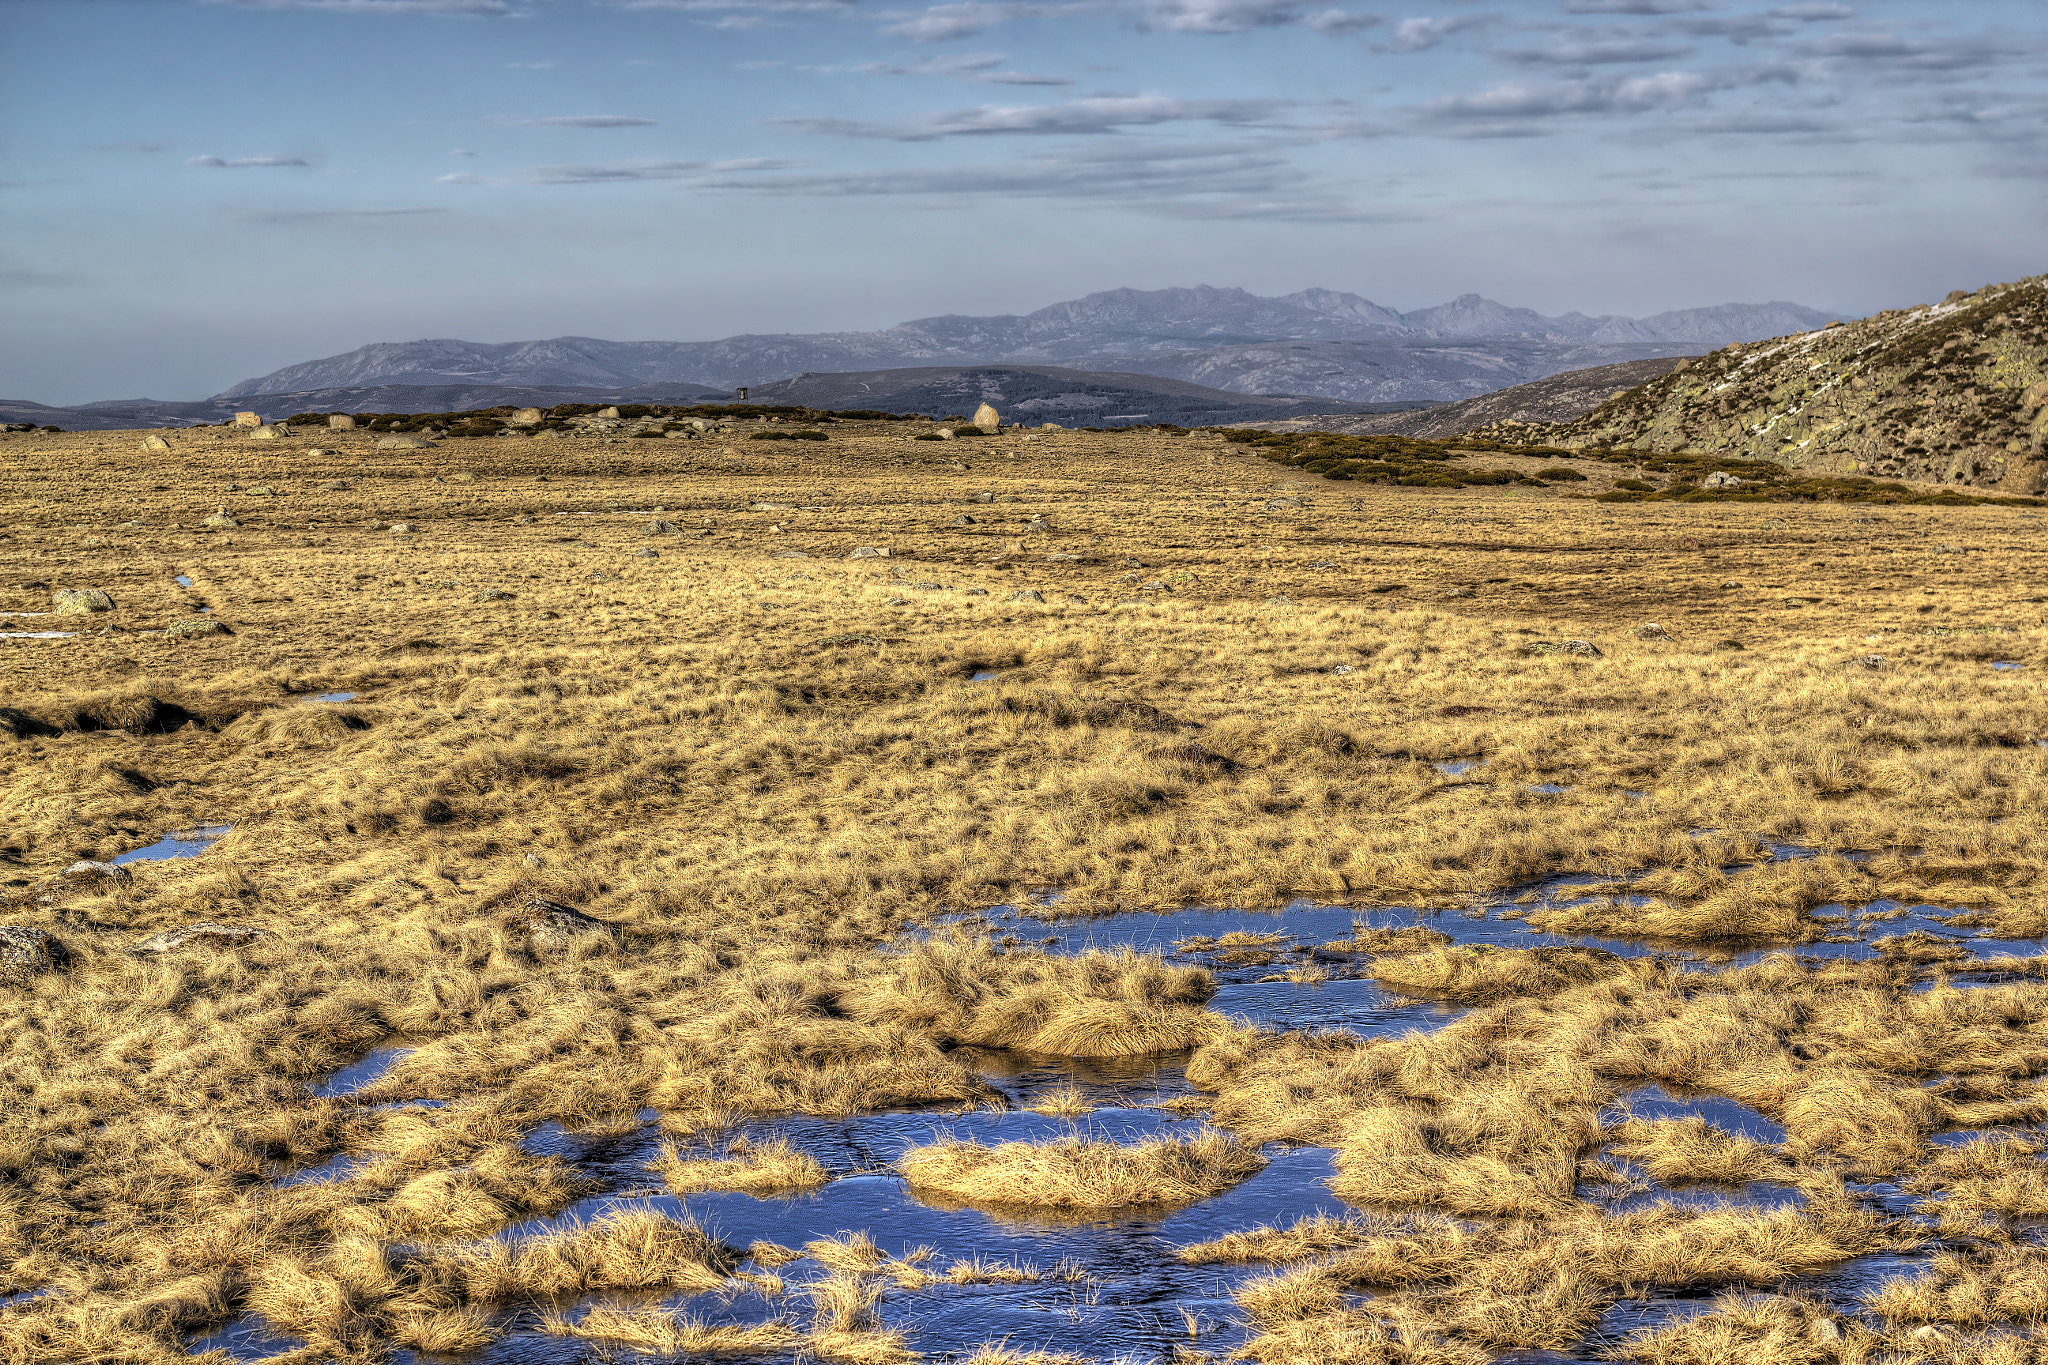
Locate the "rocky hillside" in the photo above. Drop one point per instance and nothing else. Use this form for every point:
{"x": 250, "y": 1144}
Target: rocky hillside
{"x": 1559, "y": 398}
{"x": 1952, "y": 392}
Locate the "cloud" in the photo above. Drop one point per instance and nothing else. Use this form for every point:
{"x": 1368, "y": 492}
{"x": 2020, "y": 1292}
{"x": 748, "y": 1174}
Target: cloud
{"x": 616, "y": 172}
{"x": 941, "y": 22}
{"x": 144, "y": 147}
{"x": 1220, "y": 16}
{"x": 1021, "y": 78}
{"x": 1340, "y": 21}
{"x": 284, "y": 216}
{"x": 1889, "y": 51}
{"x": 1097, "y": 115}
{"x": 1603, "y": 95}
{"x": 240, "y": 162}
{"x": 462, "y": 151}
{"x": 529, "y": 66}
{"x": 589, "y": 121}
{"x": 459, "y": 178}
{"x": 474, "y": 9}
{"x": 1420, "y": 35}
{"x": 1814, "y": 13}
{"x": 755, "y": 163}
{"x": 1574, "y": 49}
{"x": 1634, "y": 6}
{"x": 1736, "y": 28}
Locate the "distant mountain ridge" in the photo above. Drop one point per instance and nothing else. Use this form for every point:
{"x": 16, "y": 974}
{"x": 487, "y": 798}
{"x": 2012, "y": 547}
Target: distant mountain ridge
{"x": 1196, "y": 334}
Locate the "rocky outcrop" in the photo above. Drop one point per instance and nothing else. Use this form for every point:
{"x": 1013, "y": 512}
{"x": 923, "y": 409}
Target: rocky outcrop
{"x": 550, "y": 924}
{"x": 29, "y": 952}
{"x": 213, "y": 937}
{"x": 1954, "y": 392}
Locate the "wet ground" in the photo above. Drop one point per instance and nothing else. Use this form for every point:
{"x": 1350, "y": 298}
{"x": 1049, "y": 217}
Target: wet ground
{"x": 188, "y": 843}
{"x": 1109, "y": 1286}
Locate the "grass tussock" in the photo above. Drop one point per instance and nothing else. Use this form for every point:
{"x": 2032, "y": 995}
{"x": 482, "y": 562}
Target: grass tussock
{"x": 655, "y": 1330}
{"x": 760, "y": 1168}
{"x": 1081, "y": 1173}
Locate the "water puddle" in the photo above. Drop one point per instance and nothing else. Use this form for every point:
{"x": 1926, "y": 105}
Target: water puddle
{"x": 183, "y": 580}
{"x": 1549, "y": 788}
{"x": 1730, "y": 1116}
{"x": 363, "y": 1074}
{"x": 1456, "y": 767}
{"x": 248, "y": 1337}
{"x": 38, "y": 634}
{"x": 184, "y": 844}
{"x": 2003, "y": 666}
{"x": 333, "y": 697}
{"x": 23, "y": 613}
{"x": 986, "y": 675}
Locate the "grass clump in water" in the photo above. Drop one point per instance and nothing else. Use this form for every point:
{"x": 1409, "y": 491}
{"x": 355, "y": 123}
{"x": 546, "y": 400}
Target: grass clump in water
{"x": 1081, "y": 1173}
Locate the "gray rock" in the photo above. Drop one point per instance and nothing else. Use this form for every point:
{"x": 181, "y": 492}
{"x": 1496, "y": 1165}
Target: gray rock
{"x": 983, "y": 497}
{"x": 403, "y": 528}
{"x": 1459, "y": 592}
{"x": 897, "y": 602}
{"x": 771, "y": 507}
{"x": 1026, "y": 595}
{"x": 1731, "y": 586}
{"x": 662, "y": 528}
{"x": 220, "y": 521}
{"x": 869, "y": 552}
{"x": 1284, "y": 504}
{"x": 1341, "y": 669}
{"x": 977, "y": 592}
{"x": 550, "y": 924}
{"x": 525, "y": 417}
{"x": 1283, "y": 600}
{"x": 944, "y": 433}
{"x": 155, "y": 442}
{"x": 26, "y": 952}
{"x": 334, "y": 486}
{"x": 341, "y": 421}
{"x": 492, "y": 595}
{"x": 195, "y": 626}
{"x": 1872, "y": 661}
{"x": 962, "y": 521}
{"x": 523, "y": 519}
{"x": 1585, "y": 648}
{"x": 211, "y": 936}
{"x": 405, "y": 443}
{"x": 1719, "y": 480}
{"x": 646, "y": 552}
{"x": 1154, "y": 586}
{"x": 986, "y": 418}
{"x": 1650, "y": 630}
{"x": 95, "y": 872}
{"x": 266, "y": 432}
{"x": 80, "y": 601}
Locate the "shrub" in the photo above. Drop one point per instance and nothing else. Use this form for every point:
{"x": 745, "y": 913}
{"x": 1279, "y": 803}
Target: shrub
{"x": 1559, "y": 474}
{"x": 1635, "y": 486}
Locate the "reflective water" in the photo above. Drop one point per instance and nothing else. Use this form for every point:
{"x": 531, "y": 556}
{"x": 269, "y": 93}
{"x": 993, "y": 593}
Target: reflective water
{"x": 183, "y": 580}
{"x": 184, "y": 844}
{"x": 2005, "y": 667}
{"x": 38, "y": 634}
{"x": 334, "y": 696}
{"x": 363, "y": 1074}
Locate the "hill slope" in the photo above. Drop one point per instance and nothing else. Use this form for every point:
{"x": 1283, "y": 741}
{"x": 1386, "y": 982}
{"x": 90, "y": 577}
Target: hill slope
{"x": 1950, "y": 393}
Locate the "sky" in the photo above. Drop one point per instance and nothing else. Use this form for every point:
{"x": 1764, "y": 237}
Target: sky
{"x": 194, "y": 192}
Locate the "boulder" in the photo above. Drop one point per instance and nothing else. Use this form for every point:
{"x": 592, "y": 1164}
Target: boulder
{"x": 2035, "y": 397}
{"x": 944, "y": 433}
{"x": 403, "y": 528}
{"x": 1283, "y": 504}
{"x": 1050, "y": 426}
{"x": 1026, "y": 595}
{"x": 26, "y": 952}
{"x": 1871, "y": 661}
{"x": 405, "y": 443}
{"x": 220, "y": 521}
{"x": 525, "y": 417}
{"x": 1650, "y": 630}
{"x": 266, "y": 432}
{"x": 550, "y": 924}
{"x": 869, "y": 552}
{"x": 647, "y": 552}
{"x": 248, "y": 419}
{"x": 963, "y": 521}
{"x": 80, "y": 601}
{"x": 341, "y": 421}
{"x": 609, "y": 414}
{"x": 334, "y": 485}
{"x": 211, "y": 936}
{"x": 661, "y": 528}
{"x": 1585, "y": 648}
{"x": 155, "y": 442}
{"x": 986, "y": 418}
{"x": 491, "y": 595}
{"x": 983, "y": 497}
{"x": 1720, "y": 480}
{"x": 96, "y": 873}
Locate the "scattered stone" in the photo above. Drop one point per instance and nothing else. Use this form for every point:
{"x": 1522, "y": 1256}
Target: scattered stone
{"x": 1026, "y": 595}
{"x": 340, "y": 421}
{"x": 983, "y": 497}
{"x": 90, "y": 871}
{"x": 897, "y": 602}
{"x": 986, "y": 418}
{"x": 525, "y": 417}
{"x": 405, "y": 443}
{"x": 1731, "y": 586}
{"x": 977, "y": 592}
{"x": 547, "y": 616}
{"x": 155, "y": 442}
{"x": 647, "y": 552}
{"x": 334, "y": 485}
{"x": 963, "y": 521}
{"x": 1459, "y": 592}
{"x": 403, "y": 528}
{"x": 1284, "y": 504}
{"x": 546, "y": 923}
{"x": 1585, "y": 648}
{"x": 195, "y": 626}
{"x": 1720, "y": 480}
{"x": 1872, "y": 661}
{"x": 944, "y": 433}
{"x": 26, "y": 952}
{"x": 492, "y": 595}
{"x": 1650, "y": 630}
{"x": 248, "y": 419}
{"x": 80, "y": 601}
{"x": 203, "y": 935}
{"x": 266, "y": 432}
{"x": 220, "y": 521}
{"x": 662, "y": 528}
{"x": 771, "y": 507}
{"x": 869, "y": 552}
{"x": 1341, "y": 669}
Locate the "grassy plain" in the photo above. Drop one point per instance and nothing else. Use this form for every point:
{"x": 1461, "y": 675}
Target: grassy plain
{"x": 757, "y": 759}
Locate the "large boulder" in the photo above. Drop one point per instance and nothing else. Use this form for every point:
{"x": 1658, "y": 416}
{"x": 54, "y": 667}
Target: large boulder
{"x": 266, "y": 432}
{"x": 209, "y": 936}
{"x": 550, "y": 924}
{"x": 80, "y": 601}
{"x": 525, "y": 417}
{"x": 155, "y": 442}
{"x": 987, "y": 418}
{"x": 220, "y": 521}
{"x": 248, "y": 419}
{"x": 341, "y": 421}
{"x": 28, "y": 952}
{"x": 195, "y": 626}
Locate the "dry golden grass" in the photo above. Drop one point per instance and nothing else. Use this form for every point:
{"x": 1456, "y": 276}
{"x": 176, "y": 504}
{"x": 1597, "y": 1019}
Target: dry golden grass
{"x": 759, "y": 770}
{"x": 755, "y": 1168}
{"x": 1081, "y": 1173}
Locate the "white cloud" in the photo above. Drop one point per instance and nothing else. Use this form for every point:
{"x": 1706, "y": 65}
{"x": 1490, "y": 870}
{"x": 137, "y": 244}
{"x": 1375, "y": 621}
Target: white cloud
{"x": 472, "y": 9}
{"x": 1420, "y": 35}
{"x": 1096, "y": 115}
{"x": 590, "y": 121}
{"x": 616, "y": 172}
{"x": 459, "y": 178}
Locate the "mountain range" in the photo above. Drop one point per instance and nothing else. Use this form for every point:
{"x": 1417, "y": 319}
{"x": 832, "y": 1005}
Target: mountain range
{"x": 1318, "y": 342}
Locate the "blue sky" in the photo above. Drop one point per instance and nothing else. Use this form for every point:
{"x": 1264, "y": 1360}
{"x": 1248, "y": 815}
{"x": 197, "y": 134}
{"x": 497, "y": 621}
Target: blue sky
{"x": 197, "y": 192}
